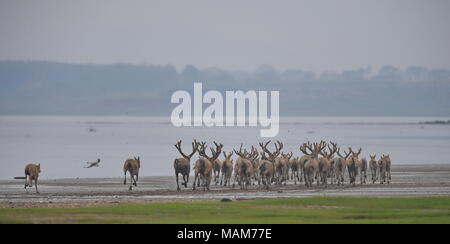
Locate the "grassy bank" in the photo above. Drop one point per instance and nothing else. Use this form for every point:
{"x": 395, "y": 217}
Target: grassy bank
{"x": 291, "y": 210}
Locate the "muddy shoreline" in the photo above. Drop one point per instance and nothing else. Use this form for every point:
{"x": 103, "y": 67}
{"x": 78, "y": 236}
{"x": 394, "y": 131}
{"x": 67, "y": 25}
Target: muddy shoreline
{"x": 408, "y": 181}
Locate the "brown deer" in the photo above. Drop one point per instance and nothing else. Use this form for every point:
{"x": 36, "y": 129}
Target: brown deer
{"x": 32, "y": 173}
{"x": 183, "y": 165}
{"x": 373, "y": 165}
{"x": 311, "y": 167}
{"x": 340, "y": 164}
{"x": 352, "y": 165}
{"x": 295, "y": 169}
{"x": 303, "y": 159}
{"x": 266, "y": 170}
{"x": 203, "y": 167}
{"x": 361, "y": 167}
{"x": 282, "y": 167}
{"x": 326, "y": 164}
{"x": 132, "y": 166}
{"x": 245, "y": 167}
{"x": 384, "y": 165}
{"x": 217, "y": 166}
{"x": 227, "y": 169}
{"x": 272, "y": 157}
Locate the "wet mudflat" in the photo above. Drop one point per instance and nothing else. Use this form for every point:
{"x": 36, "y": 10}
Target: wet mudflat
{"x": 407, "y": 181}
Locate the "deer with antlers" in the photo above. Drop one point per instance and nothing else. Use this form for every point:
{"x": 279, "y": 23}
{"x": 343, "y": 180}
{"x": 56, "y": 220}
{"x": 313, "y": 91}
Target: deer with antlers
{"x": 311, "y": 168}
{"x": 203, "y": 167}
{"x": 353, "y": 165}
{"x": 273, "y": 157}
{"x": 303, "y": 159}
{"x": 183, "y": 165}
{"x": 227, "y": 169}
{"x": 245, "y": 167}
{"x": 326, "y": 164}
{"x": 373, "y": 165}
{"x": 340, "y": 164}
{"x": 132, "y": 166}
{"x": 282, "y": 167}
{"x": 361, "y": 166}
{"x": 267, "y": 163}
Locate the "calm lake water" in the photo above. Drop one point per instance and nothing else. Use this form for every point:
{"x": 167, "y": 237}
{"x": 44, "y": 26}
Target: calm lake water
{"x": 63, "y": 144}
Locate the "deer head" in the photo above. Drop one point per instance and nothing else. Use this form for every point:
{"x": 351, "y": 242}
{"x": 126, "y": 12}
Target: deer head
{"x": 346, "y": 154}
{"x": 138, "y": 160}
{"x": 318, "y": 147}
{"x": 194, "y": 149}
{"x": 227, "y": 156}
{"x": 356, "y": 155}
{"x": 272, "y": 156}
{"x": 215, "y": 152}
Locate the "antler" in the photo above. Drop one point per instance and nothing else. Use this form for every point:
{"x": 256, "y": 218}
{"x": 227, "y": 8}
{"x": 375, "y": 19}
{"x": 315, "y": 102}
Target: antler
{"x": 194, "y": 149}
{"x": 240, "y": 153}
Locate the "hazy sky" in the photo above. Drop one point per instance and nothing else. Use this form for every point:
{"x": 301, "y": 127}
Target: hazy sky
{"x": 232, "y": 34}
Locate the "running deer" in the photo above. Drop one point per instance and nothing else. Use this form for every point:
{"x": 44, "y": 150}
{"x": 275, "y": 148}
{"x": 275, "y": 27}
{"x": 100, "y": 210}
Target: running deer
{"x": 311, "y": 167}
{"x": 32, "y": 173}
{"x": 266, "y": 170}
{"x": 267, "y": 163}
{"x": 326, "y": 164}
{"x": 361, "y": 167}
{"x": 245, "y": 167}
{"x": 203, "y": 167}
{"x": 373, "y": 165}
{"x": 183, "y": 165}
{"x": 132, "y": 166}
{"x": 353, "y": 165}
{"x": 227, "y": 169}
{"x": 217, "y": 166}
{"x": 340, "y": 165}
{"x": 384, "y": 165}
{"x": 273, "y": 157}
{"x": 303, "y": 159}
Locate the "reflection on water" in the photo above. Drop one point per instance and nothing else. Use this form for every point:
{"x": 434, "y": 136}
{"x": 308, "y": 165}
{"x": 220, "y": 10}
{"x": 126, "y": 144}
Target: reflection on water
{"x": 63, "y": 144}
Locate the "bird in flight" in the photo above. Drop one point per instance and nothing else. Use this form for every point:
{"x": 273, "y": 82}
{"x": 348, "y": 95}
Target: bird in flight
{"x": 93, "y": 164}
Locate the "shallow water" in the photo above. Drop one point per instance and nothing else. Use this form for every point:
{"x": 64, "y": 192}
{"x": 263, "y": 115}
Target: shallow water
{"x": 63, "y": 144}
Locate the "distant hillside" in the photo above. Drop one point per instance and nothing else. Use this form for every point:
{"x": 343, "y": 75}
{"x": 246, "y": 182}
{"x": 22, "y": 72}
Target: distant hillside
{"x": 47, "y": 88}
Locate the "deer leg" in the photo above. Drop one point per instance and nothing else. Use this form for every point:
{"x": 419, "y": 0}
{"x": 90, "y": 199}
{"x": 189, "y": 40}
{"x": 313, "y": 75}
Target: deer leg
{"x": 36, "y": 185}
{"x": 26, "y": 181}
{"x": 125, "y": 180}
{"x": 176, "y": 177}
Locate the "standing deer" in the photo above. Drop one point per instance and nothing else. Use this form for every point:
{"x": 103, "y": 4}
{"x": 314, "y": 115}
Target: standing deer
{"x": 183, "y": 165}
{"x": 227, "y": 169}
{"x": 373, "y": 165}
{"x": 32, "y": 173}
{"x": 340, "y": 166}
{"x": 203, "y": 167}
{"x": 132, "y": 166}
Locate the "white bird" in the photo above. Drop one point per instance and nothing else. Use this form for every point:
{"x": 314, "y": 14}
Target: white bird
{"x": 93, "y": 164}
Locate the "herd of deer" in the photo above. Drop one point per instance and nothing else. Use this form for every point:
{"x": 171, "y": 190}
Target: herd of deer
{"x": 321, "y": 162}
{"x": 261, "y": 167}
